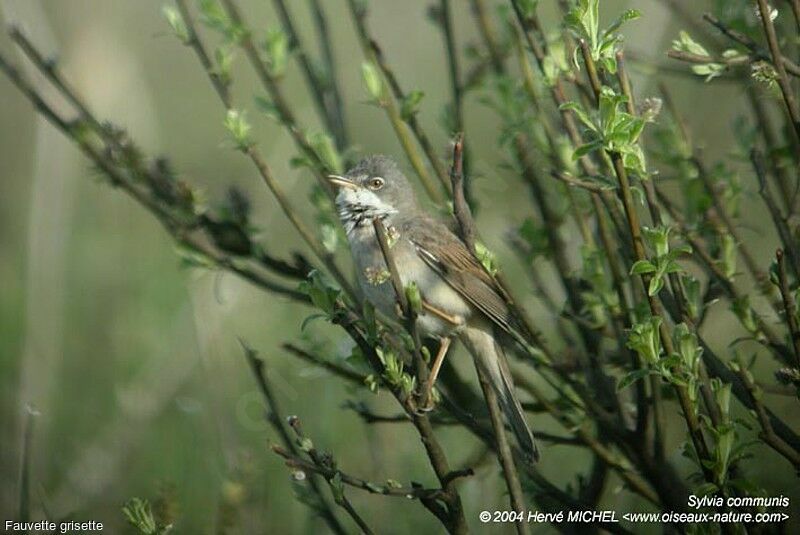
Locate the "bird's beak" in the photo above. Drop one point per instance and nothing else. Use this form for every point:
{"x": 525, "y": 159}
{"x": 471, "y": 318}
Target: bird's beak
{"x": 342, "y": 182}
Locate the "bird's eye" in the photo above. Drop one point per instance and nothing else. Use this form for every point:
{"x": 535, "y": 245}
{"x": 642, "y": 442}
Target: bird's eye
{"x": 376, "y": 183}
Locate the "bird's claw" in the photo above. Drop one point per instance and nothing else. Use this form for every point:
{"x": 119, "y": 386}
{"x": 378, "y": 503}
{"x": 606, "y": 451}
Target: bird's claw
{"x": 423, "y": 410}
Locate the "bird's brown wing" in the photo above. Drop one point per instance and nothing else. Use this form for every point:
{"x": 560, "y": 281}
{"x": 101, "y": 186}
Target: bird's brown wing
{"x": 443, "y": 252}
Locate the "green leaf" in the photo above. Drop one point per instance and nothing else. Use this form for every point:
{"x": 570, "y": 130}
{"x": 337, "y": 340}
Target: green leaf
{"x": 373, "y": 80}
{"x": 580, "y": 113}
{"x": 642, "y": 266}
{"x": 631, "y": 377}
{"x": 325, "y": 149}
{"x": 223, "y": 57}
{"x": 276, "y": 46}
{"x": 267, "y": 107}
{"x": 330, "y": 237}
{"x": 655, "y": 286}
{"x": 414, "y": 298}
{"x": 139, "y": 514}
{"x": 239, "y": 129}
{"x": 307, "y": 321}
{"x": 337, "y": 488}
{"x": 706, "y": 489}
{"x": 628, "y": 15}
{"x": 685, "y": 43}
{"x": 176, "y": 22}
{"x": 486, "y": 257}
{"x": 586, "y": 148}
{"x": 411, "y": 103}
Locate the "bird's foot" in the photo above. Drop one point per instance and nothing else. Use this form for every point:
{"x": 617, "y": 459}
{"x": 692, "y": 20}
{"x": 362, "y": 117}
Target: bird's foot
{"x": 424, "y": 400}
{"x": 422, "y": 410}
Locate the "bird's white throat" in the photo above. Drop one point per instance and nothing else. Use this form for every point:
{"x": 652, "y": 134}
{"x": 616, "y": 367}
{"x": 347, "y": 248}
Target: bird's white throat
{"x": 357, "y": 208}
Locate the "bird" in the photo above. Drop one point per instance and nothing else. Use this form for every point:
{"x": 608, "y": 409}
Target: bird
{"x": 459, "y": 297}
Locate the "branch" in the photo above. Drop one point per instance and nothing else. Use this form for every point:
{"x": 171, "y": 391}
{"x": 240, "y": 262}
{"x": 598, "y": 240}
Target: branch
{"x": 255, "y": 156}
{"x": 780, "y": 64}
{"x": 373, "y": 53}
{"x": 171, "y": 216}
{"x": 752, "y": 46}
{"x": 327, "y": 467}
{"x": 276, "y": 420}
{"x": 324, "y": 91}
{"x": 466, "y": 225}
{"x": 767, "y": 432}
{"x": 504, "y": 456}
{"x": 780, "y": 222}
{"x": 788, "y": 306}
{"x": 656, "y": 309}
{"x": 335, "y": 369}
{"x": 334, "y": 93}
{"x": 270, "y": 84}
{"x": 409, "y": 315}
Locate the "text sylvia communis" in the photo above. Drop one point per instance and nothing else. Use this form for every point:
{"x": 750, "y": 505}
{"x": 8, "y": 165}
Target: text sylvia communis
{"x": 459, "y": 297}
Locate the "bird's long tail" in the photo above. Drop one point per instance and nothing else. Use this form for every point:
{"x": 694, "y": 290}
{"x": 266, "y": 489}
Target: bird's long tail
{"x": 490, "y": 357}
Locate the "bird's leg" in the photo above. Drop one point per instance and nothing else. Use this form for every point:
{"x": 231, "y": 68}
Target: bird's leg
{"x": 444, "y": 345}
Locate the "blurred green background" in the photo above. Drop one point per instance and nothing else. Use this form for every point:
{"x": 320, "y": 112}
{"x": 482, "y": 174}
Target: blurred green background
{"x": 132, "y": 363}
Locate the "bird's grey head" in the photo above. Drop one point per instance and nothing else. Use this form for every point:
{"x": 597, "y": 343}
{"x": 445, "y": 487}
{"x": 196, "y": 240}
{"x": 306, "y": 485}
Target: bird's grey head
{"x": 375, "y": 187}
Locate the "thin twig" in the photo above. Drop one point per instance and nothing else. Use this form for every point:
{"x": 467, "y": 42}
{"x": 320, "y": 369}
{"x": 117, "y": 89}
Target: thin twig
{"x": 178, "y": 228}
{"x": 276, "y": 420}
{"x": 767, "y": 431}
{"x": 789, "y": 306}
{"x": 255, "y": 156}
{"x": 324, "y": 462}
{"x": 321, "y": 88}
{"x": 326, "y": 364}
{"x": 504, "y": 456}
{"x": 752, "y": 46}
{"x": 757, "y": 159}
{"x": 409, "y": 315}
{"x": 466, "y": 226}
{"x": 779, "y": 62}
{"x": 656, "y": 309}
{"x": 462, "y": 212}
{"x": 271, "y": 85}
{"x": 296, "y": 461}
{"x": 334, "y": 96}
{"x": 23, "y": 506}
{"x": 456, "y": 89}
{"x": 373, "y": 53}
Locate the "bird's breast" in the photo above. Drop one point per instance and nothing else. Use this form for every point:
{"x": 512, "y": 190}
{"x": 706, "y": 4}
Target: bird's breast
{"x": 374, "y": 279}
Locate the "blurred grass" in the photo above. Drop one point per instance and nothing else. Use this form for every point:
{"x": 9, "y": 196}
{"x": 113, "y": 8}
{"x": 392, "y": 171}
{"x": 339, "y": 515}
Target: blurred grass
{"x": 133, "y": 361}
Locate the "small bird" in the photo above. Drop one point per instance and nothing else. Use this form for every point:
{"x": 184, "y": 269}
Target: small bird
{"x": 459, "y": 298}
